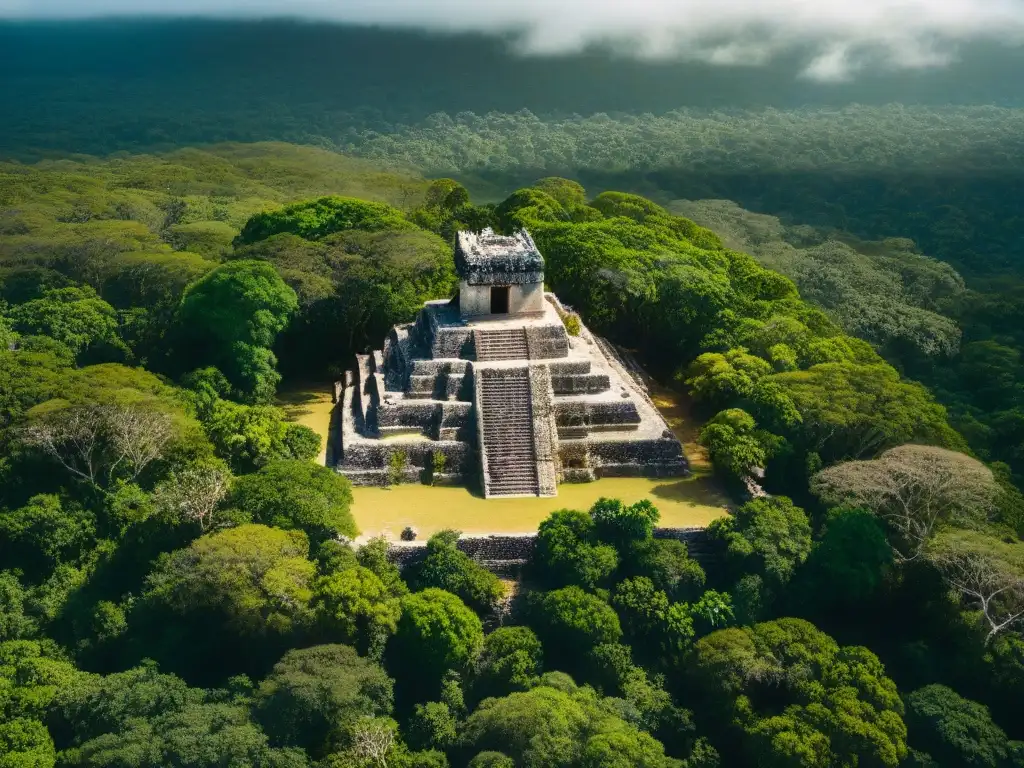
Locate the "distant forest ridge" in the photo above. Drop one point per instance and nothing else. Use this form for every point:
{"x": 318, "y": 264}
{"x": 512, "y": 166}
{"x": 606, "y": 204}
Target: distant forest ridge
{"x": 942, "y": 175}
{"x": 409, "y": 75}
{"x": 856, "y": 139}
{"x": 945, "y": 167}
{"x": 104, "y": 87}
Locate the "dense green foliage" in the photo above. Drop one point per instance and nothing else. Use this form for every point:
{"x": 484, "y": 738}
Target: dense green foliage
{"x": 445, "y": 567}
{"x": 316, "y": 219}
{"x": 138, "y": 231}
{"x": 314, "y": 697}
{"x": 297, "y": 494}
{"x": 832, "y": 706}
{"x": 229, "y": 319}
{"x": 179, "y": 586}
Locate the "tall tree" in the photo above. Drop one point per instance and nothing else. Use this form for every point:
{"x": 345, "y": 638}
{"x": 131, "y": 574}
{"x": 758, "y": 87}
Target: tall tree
{"x": 914, "y": 489}
{"x": 298, "y": 494}
{"x": 354, "y": 606}
{"x": 766, "y": 540}
{"x": 953, "y": 730}
{"x": 436, "y": 633}
{"x": 445, "y": 567}
{"x": 986, "y": 572}
{"x": 570, "y": 622}
{"x": 315, "y": 696}
{"x": 568, "y": 552}
{"x": 77, "y": 318}
{"x": 229, "y": 318}
{"x": 255, "y": 579}
{"x": 784, "y": 693}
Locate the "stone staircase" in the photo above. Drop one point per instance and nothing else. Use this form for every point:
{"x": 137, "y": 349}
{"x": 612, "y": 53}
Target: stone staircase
{"x": 506, "y": 344}
{"x": 507, "y": 450}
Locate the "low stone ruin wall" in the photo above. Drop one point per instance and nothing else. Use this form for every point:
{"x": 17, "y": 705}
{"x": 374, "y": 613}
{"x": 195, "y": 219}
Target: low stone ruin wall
{"x": 569, "y": 367}
{"x": 698, "y": 542}
{"x": 504, "y": 554}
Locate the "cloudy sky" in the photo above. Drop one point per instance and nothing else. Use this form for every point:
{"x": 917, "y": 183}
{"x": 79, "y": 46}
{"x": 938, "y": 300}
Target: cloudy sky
{"x": 840, "y": 37}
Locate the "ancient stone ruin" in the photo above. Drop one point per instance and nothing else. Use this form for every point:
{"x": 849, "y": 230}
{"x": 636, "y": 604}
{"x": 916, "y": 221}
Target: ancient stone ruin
{"x": 490, "y": 388}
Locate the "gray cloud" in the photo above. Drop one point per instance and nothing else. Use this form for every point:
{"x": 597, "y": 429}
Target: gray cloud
{"x": 842, "y": 36}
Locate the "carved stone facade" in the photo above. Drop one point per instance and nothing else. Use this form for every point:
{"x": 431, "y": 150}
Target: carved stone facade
{"x": 489, "y": 388}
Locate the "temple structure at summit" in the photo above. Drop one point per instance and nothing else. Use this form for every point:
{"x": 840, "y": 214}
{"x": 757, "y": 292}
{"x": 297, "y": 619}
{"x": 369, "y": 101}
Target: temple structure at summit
{"x": 490, "y": 388}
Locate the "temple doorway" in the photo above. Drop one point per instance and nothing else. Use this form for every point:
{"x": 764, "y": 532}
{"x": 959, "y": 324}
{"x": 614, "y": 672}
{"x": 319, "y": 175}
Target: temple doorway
{"x": 499, "y": 300}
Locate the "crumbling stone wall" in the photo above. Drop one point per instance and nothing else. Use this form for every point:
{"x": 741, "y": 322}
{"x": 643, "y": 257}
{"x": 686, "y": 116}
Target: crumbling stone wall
{"x": 498, "y": 552}
{"x": 422, "y": 415}
{"x": 435, "y": 332}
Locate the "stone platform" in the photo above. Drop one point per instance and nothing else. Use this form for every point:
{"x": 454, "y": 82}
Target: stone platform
{"x": 508, "y": 401}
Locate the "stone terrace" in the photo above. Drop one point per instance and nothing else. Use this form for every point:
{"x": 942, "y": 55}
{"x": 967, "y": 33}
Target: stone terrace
{"x": 507, "y": 401}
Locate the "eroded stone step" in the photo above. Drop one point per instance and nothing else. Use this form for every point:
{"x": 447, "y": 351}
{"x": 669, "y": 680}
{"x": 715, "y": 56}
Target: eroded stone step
{"x": 507, "y": 426}
{"x": 502, "y": 345}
